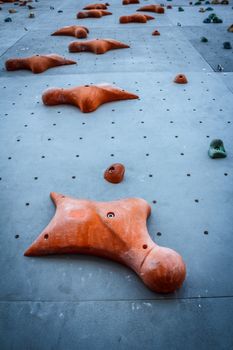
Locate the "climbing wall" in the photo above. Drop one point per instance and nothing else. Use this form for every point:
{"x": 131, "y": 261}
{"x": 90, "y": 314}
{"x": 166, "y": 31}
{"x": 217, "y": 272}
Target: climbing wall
{"x": 83, "y": 302}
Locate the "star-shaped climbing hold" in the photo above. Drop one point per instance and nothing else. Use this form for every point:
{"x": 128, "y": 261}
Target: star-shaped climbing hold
{"x": 135, "y": 18}
{"x": 88, "y": 98}
{"x": 37, "y": 63}
{"x": 96, "y": 7}
{"x": 114, "y": 230}
{"x": 152, "y": 8}
{"x": 93, "y": 14}
{"x": 96, "y": 46}
{"x": 79, "y": 32}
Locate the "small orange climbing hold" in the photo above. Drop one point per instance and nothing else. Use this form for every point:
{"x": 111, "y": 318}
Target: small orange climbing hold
{"x": 115, "y": 173}
{"x": 79, "y": 32}
{"x": 136, "y": 18}
{"x": 130, "y": 2}
{"x": 96, "y": 6}
{"x": 93, "y": 14}
{"x": 181, "y": 79}
{"x": 156, "y": 32}
{"x": 152, "y": 8}
{"x": 37, "y": 63}
{"x": 96, "y": 46}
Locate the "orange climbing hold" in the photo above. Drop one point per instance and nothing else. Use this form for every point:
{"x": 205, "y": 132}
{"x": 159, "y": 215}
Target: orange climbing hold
{"x": 115, "y": 173}
{"x": 114, "y": 230}
{"x": 156, "y": 32}
{"x": 87, "y": 98}
{"x": 96, "y": 46}
{"x": 93, "y": 14}
{"x": 135, "y": 18}
{"x": 130, "y": 2}
{"x": 152, "y": 8}
{"x": 37, "y": 63}
{"x": 79, "y": 32}
{"x": 96, "y": 7}
{"x": 181, "y": 79}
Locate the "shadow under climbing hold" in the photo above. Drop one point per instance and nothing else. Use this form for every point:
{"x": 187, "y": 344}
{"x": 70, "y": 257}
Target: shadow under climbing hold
{"x": 97, "y": 46}
{"x": 181, "y": 79}
{"x": 152, "y": 8}
{"x": 93, "y": 14}
{"x": 135, "y": 18}
{"x": 87, "y": 98}
{"x": 115, "y": 173}
{"x": 79, "y": 32}
{"x": 217, "y": 149}
{"x": 96, "y": 7}
{"x": 115, "y": 230}
{"x": 155, "y": 32}
{"x": 38, "y": 63}
{"x": 227, "y": 45}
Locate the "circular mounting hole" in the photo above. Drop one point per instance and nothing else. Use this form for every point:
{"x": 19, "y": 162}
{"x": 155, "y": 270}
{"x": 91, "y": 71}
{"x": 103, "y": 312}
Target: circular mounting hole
{"x": 197, "y": 200}
{"x": 46, "y": 236}
{"x": 27, "y": 204}
{"x": 225, "y": 174}
{"x": 16, "y": 236}
{"x": 110, "y": 215}
{"x": 159, "y": 234}
{"x": 111, "y": 169}
{"x": 206, "y": 232}
{"x": 144, "y": 246}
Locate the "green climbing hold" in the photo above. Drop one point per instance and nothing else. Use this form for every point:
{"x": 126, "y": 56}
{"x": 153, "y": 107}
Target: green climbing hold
{"x": 207, "y": 3}
{"x": 217, "y": 20}
{"x": 227, "y": 45}
{"x": 198, "y": 3}
{"x": 207, "y": 20}
{"x": 212, "y": 16}
{"x": 209, "y": 9}
{"x": 180, "y": 9}
{"x": 204, "y": 39}
{"x": 217, "y": 149}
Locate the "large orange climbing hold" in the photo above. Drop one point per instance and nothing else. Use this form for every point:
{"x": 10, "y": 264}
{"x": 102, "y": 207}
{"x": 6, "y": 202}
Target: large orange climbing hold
{"x": 152, "y": 8}
{"x": 115, "y": 173}
{"x": 114, "y": 230}
{"x": 93, "y": 14}
{"x": 181, "y": 79}
{"x": 88, "y": 98}
{"x": 130, "y": 2}
{"x": 96, "y": 46}
{"x": 96, "y": 6}
{"x": 79, "y": 32}
{"x": 37, "y": 63}
{"x": 135, "y": 18}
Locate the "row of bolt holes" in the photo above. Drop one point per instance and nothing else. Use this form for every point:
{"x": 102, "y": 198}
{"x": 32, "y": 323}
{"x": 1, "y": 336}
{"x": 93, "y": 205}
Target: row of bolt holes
{"x": 46, "y": 236}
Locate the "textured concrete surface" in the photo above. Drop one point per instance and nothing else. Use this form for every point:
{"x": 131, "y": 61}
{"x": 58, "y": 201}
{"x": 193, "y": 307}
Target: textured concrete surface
{"x": 81, "y": 302}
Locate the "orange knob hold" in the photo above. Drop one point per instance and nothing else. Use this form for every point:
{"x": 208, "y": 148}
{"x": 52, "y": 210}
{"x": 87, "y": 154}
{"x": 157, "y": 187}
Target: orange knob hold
{"x": 114, "y": 230}
{"x": 136, "y": 18}
{"x": 181, "y": 79}
{"x": 156, "y": 32}
{"x": 88, "y": 98}
{"x": 115, "y": 173}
